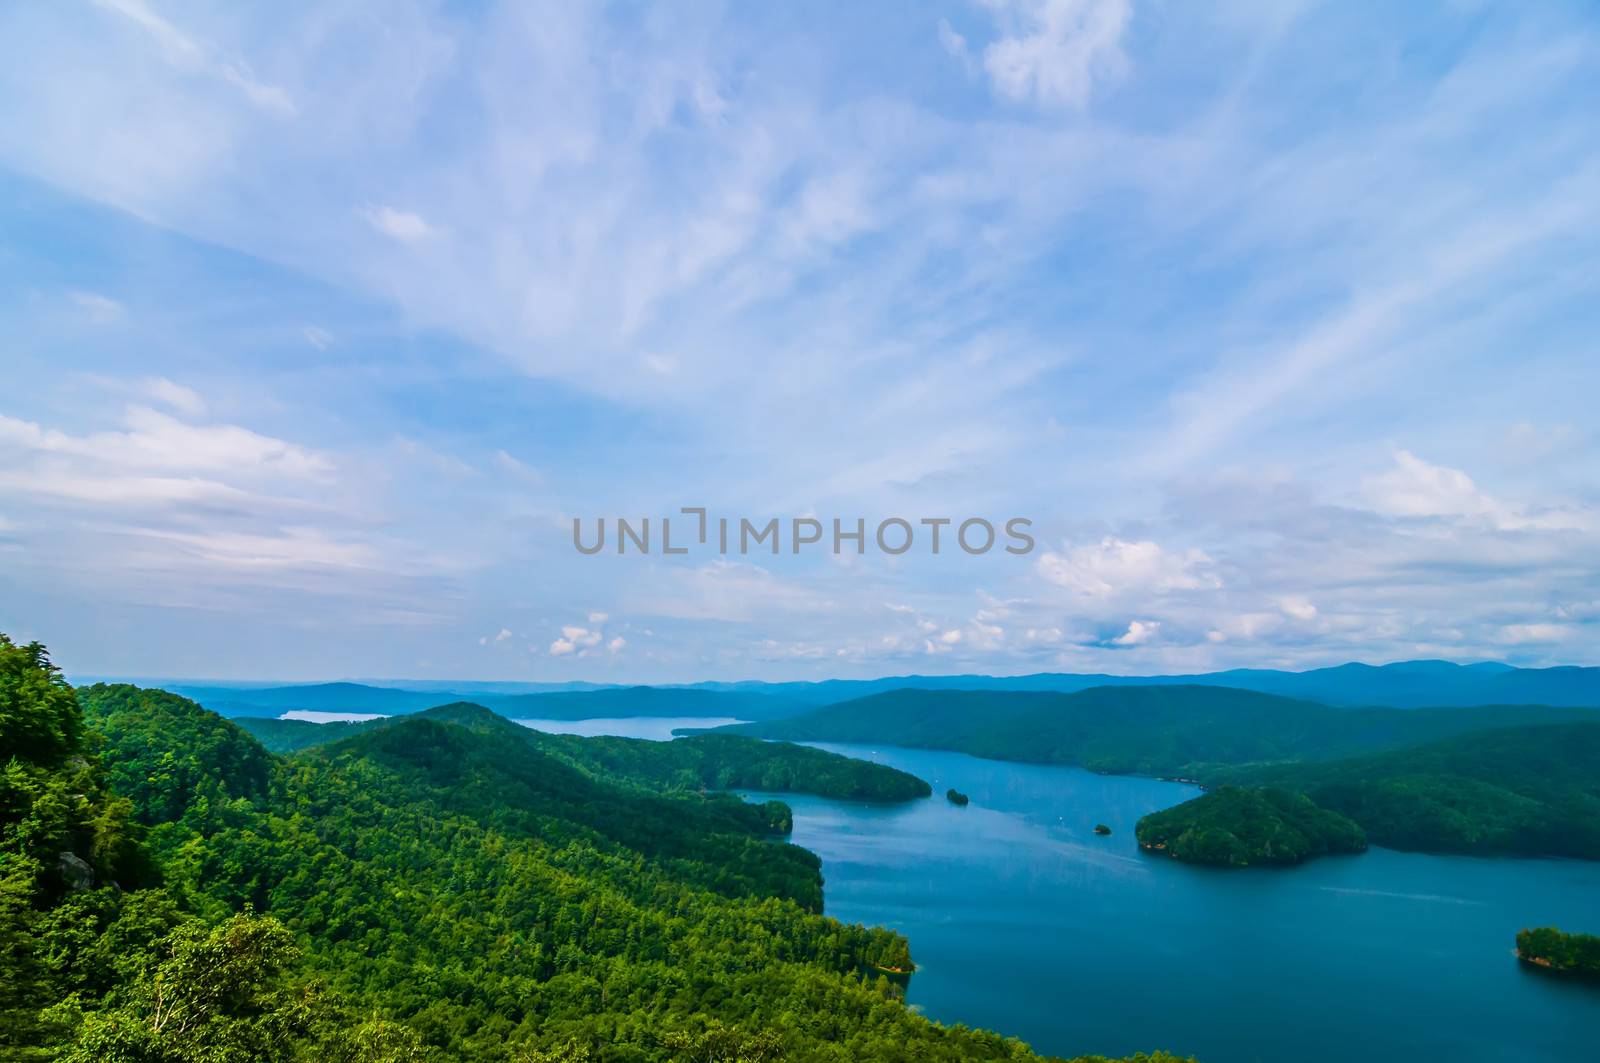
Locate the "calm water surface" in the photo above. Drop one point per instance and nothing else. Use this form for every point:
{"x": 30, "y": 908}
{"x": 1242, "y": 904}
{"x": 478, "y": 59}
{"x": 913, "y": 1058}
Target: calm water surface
{"x": 1023, "y": 921}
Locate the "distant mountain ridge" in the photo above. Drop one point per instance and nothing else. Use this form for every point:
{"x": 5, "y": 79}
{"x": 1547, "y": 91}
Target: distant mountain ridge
{"x": 1158, "y": 729}
{"x": 1404, "y": 684}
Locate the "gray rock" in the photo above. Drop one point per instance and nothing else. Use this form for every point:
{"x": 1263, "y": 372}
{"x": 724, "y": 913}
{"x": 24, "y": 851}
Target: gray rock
{"x": 75, "y": 871}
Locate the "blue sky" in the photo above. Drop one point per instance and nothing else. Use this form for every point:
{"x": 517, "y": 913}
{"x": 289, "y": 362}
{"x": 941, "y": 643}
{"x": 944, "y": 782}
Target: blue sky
{"x": 320, "y": 326}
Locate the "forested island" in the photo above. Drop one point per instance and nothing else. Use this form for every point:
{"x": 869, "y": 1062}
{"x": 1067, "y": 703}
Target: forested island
{"x": 425, "y": 891}
{"x": 1512, "y": 780}
{"x": 956, "y": 797}
{"x": 1549, "y": 949}
{"x": 1248, "y": 826}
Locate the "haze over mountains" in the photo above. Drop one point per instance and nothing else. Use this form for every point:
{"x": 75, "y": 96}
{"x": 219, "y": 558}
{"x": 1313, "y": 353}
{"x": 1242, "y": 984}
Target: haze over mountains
{"x": 1406, "y": 684}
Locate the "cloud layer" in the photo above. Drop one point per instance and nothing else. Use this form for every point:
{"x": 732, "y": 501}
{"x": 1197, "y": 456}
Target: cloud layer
{"x": 1278, "y": 322}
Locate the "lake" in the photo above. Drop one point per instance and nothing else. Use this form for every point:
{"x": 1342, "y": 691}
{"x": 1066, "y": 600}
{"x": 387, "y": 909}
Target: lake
{"x": 1023, "y": 921}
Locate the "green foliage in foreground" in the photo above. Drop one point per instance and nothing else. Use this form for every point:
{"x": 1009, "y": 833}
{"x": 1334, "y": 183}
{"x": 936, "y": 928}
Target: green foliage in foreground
{"x": 701, "y": 762}
{"x": 422, "y": 892}
{"x": 1239, "y": 827}
{"x": 1551, "y": 949}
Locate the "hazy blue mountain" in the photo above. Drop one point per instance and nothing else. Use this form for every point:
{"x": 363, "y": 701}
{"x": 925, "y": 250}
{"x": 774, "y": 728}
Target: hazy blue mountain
{"x": 317, "y": 697}
{"x": 1406, "y": 684}
{"x": 552, "y": 705}
{"x": 650, "y": 701}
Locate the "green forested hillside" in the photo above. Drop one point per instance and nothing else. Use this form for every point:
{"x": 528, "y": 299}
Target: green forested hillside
{"x": 716, "y": 762}
{"x": 1526, "y": 790}
{"x": 1238, "y": 826}
{"x": 426, "y": 891}
{"x": 1149, "y": 730}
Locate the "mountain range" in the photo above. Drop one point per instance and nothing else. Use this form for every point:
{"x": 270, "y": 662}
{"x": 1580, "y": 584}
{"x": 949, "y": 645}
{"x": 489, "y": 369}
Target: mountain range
{"x": 1405, "y": 684}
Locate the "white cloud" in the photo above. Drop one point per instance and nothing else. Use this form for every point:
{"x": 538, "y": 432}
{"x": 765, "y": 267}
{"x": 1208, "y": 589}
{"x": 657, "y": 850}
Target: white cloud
{"x": 725, "y": 590}
{"x": 318, "y": 337}
{"x": 1055, "y": 51}
{"x": 1117, "y": 566}
{"x": 1518, "y": 634}
{"x": 189, "y": 54}
{"x": 517, "y": 468}
{"x": 101, "y": 309}
{"x": 402, "y": 225}
{"x": 955, "y": 45}
{"x": 157, "y": 441}
{"x": 576, "y": 639}
{"x": 1139, "y": 632}
{"x": 951, "y": 637}
{"x": 1297, "y": 607}
{"x": 1416, "y": 488}
{"x": 184, "y": 400}
{"x": 288, "y": 548}
{"x": 501, "y": 636}
{"x": 579, "y": 636}
{"x": 617, "y": 644}
{"x": 596, "y": 617}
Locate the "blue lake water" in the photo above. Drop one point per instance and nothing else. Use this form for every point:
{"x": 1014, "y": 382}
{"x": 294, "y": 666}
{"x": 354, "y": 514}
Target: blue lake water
{"x": 1022, "y": 920}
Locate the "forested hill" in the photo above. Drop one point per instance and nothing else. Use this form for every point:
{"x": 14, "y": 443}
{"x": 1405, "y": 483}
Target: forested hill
{"x": 1524, "y": 790}
{"x": 716, "y": 762}
{"x": 602, "y": 702}
{"x": 1153, "y": 730}
{"x": 1235, "y": 826}
{"x": 422, "y": 892}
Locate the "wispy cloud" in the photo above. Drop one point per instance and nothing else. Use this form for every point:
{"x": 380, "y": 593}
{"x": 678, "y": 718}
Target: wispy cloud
{"x": 1283, "y": 363}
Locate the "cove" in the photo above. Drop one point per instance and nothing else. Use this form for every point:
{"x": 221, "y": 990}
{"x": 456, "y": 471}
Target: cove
{"x": 1023, "y": 921}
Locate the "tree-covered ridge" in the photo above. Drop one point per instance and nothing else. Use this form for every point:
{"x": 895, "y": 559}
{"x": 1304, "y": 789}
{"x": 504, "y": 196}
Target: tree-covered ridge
{"x": 1243, "y": 826}
{"x": 1524, "y": 790}
{"x": 1553, "y": 950}
{"x": 62, "y": 832}
{"x": 712, "y": 762}
{"x": 419, "y": 892}
{"x": 1141, "y": 730}
{"x": 1441, "y": 780}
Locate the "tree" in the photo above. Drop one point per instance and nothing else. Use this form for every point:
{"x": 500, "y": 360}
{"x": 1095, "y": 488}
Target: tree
{"x": 221, "y": 995}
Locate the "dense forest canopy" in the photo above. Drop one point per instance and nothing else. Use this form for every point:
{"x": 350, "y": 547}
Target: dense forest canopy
{"x": 716, "y": 762}
{"x": 1519, "y": 790}
{"x": 1577, "y": 955}
{"x": 170, "y": 891}
{"x": 1144, "y": 730}
{"x": 1242, "y": 826}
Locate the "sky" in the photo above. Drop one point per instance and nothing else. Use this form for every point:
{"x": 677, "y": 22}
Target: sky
{"x": 320, "y": 324}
